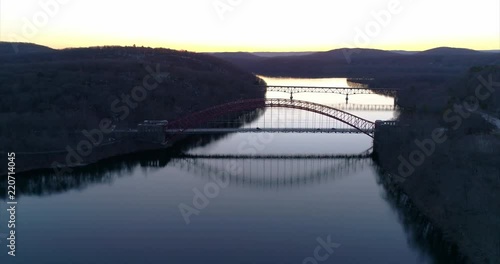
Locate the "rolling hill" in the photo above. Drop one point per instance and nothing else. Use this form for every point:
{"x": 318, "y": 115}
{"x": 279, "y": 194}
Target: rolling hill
{"x": 430, "y": 68}
{"x": 12, "y": 48}
{"x": 45, "y": 96}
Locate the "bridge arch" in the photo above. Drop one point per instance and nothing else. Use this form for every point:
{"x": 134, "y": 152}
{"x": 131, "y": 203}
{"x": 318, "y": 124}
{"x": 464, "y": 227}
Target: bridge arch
{"x": 193, "y": 120}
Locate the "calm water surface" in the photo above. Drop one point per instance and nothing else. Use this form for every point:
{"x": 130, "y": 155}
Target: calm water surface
{"x": 273, "y": 210}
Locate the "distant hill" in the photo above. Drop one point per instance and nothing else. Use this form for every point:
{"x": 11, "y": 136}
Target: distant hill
{"x": 405, "y": 52}
{"x": 491, "y": 51}
{"x": 281, "y": 54}
{"x": 236, "y": 55}
{"x": 449, "y": 51}
{"x": 387, "y": 68}
{"x": 321, "y": 55}
{"x": 8, "y": 48}
{"x": 339, "y": 53}
{"x": 349, "y": 54}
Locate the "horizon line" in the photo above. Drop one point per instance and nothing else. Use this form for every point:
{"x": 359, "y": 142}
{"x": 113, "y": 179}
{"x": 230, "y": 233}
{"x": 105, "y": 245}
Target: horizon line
{"x": 246, "y": 51}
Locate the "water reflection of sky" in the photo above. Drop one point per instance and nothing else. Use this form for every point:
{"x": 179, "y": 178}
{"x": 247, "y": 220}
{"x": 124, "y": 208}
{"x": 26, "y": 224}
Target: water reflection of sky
{"x": 324, "y": 98}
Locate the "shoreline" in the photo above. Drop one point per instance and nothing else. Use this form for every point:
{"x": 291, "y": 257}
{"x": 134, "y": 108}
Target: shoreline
{"x": 430, "y": 229}
{"x": 105, "y": 153}
{"x": 440, "y": 194}
{"x": 440, "y": 230}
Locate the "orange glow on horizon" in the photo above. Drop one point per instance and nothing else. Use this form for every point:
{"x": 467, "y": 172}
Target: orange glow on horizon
{"x": 255, "y": 26}
{"x": 476, "y": 45}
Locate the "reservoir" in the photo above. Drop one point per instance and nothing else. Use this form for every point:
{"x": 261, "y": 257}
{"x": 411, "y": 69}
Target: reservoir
{"x": 303, "y": 198}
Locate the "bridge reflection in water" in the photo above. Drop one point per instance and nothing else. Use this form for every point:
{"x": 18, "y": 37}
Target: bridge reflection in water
{"x": 274, "y": 171}
{"x": 265, "y": 171}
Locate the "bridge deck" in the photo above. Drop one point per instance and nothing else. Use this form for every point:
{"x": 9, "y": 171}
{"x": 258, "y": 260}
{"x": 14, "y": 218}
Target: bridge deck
{"x": 270, "y": 130}
{"x": 275, "y": 156}
{"x": 337, "y": 90}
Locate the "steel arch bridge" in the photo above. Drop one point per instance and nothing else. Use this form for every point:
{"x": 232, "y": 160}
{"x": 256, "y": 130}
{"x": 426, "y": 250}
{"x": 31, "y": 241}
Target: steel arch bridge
{"x": 195, "y": 120}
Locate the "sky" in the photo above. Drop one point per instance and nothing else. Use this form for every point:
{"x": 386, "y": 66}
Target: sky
{"x": 254, "y": 25}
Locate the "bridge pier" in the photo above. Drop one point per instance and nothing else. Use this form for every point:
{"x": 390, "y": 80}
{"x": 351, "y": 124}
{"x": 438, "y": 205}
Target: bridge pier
{"x": 346, "y": 98}
{"x": 291, "y": 95}
{"x": 387, "y": 136}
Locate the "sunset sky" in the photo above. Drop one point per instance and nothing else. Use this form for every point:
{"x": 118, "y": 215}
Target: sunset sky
{"x": 254, "y": 25}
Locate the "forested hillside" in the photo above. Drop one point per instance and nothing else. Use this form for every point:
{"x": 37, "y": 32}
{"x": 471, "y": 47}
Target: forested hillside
{"x": 447, "y": 161}
{"x": 47, "y": 97}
